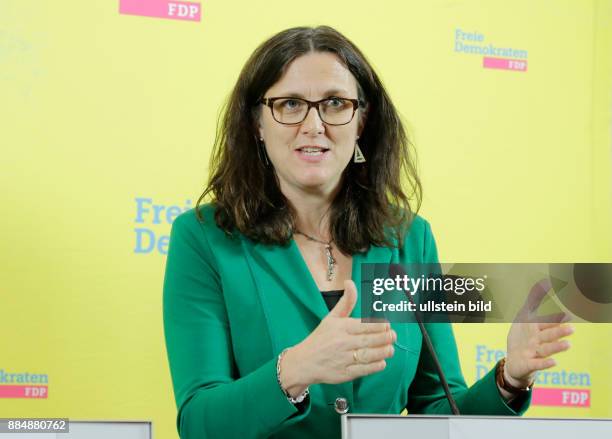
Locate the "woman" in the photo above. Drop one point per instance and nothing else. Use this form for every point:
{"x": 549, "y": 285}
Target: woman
{"x": 260, "y": 300}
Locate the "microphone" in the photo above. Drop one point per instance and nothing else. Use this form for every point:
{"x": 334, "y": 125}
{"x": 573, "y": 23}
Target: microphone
{"x": 396, "y": 269}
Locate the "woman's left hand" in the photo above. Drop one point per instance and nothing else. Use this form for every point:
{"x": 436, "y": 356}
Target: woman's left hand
{"x": 533, "y": 340}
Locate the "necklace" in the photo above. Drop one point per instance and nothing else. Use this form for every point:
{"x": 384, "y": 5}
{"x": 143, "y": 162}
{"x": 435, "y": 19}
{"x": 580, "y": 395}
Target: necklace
{"x": 331, "y": 262}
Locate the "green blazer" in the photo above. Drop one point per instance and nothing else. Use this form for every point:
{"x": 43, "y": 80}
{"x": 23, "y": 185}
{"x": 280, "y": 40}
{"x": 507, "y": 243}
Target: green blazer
{"x": 230, "y": 307}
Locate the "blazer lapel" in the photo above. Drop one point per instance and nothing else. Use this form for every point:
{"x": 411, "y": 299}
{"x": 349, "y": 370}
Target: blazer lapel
{"x": 287, "y": 268}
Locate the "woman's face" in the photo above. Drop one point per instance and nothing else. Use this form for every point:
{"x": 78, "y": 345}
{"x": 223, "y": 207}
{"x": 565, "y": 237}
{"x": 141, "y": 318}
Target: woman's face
{"x": 314, "y": 76}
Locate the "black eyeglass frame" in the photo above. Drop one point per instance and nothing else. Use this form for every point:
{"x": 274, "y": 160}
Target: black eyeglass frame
{"x": 268, "y": 102}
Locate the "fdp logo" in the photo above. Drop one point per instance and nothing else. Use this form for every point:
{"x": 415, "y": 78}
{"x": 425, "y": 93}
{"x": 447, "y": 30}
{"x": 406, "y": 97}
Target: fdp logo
{"x": 23, "y": 384}
{"x": 493, "y": 57}
{"x": 174, "y": 10}
{"x": 554, "y": 388}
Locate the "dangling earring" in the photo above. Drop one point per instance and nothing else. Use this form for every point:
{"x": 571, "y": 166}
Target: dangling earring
{"x": 261, "y": 147}
{"x": 358, "y": 157}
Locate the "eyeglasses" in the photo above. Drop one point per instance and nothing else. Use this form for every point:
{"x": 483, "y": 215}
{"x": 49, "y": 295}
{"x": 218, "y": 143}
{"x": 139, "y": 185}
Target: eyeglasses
{"x": 292, "y": 111}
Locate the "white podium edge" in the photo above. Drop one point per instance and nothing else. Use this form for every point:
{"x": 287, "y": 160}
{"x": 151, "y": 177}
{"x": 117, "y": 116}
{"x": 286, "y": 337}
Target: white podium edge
{"x": 120, "y": 421}
{"x": 344, "y": 419}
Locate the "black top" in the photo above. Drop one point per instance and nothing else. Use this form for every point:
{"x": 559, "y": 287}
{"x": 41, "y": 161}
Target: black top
{"x": 331, "y": 297}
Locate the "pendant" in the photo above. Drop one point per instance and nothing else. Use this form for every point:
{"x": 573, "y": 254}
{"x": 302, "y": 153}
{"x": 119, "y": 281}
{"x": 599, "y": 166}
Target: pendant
{"x": 331, "y": 262}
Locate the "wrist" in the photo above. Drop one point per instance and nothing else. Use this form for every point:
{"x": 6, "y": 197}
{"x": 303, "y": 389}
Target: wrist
{"x": 511, "y": 380}
{"x": 515, "y": 382}
{"x": 290, "y": 375}
{"x": 508, "y": 383}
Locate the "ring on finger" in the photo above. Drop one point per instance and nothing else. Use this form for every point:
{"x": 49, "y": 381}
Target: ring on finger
{"x": 355, "y": 358}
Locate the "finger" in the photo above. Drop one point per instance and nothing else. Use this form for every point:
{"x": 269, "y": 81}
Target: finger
{"x": 347, "y": 302}
{"x": 375, "y": 339}
{"x": 555, "y": 333}
{"x": 372, "y": 355}
{"x": 358, "y": 370}
{"x": 540, "y": 363}
{"x": 554, "y": 347}
{"x": 357, "y": 327}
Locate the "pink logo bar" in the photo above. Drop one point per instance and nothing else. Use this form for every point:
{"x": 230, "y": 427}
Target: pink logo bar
{"x": 504, "y": 64}
{"x": 561, "y": 397}
{"x": 23, "y": 391}
{"x": 174, "y": 10}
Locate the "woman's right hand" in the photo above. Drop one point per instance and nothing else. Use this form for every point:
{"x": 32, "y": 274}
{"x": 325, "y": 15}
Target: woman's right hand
{"x": 329, "y": 353}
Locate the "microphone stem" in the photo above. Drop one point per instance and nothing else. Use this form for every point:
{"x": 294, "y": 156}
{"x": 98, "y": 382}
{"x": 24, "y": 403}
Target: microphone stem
{"x": 397, "y": 269}
{"x": 430, "y": 348}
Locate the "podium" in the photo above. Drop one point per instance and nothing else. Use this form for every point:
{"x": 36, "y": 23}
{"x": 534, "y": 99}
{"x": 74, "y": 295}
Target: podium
{"x": 367, "y": 426}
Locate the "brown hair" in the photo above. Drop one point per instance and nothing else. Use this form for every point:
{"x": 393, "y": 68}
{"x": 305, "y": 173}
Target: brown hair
{"x": 370, "y": 207}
